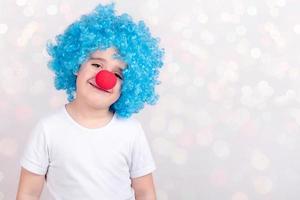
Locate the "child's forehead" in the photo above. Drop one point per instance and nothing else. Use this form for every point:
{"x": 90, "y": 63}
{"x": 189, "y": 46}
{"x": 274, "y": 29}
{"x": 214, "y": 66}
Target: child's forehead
{"x": 109, "y": 54}
{"x": 106, "y": 53}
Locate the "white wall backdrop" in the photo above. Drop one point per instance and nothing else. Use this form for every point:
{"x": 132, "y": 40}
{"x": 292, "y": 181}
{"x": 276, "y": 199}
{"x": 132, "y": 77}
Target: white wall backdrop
{"x": 227, "y": 126}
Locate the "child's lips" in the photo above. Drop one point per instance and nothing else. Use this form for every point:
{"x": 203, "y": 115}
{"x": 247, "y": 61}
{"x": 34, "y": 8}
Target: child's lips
{"x": 93, "y": 85}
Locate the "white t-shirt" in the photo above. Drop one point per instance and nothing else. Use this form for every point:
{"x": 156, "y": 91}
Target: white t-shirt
{"x": 82, "y": 163}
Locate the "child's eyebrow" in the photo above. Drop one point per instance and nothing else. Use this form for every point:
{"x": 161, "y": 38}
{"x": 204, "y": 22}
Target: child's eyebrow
{"x": 99, "y": 58}
{"x": 104, "y": 60}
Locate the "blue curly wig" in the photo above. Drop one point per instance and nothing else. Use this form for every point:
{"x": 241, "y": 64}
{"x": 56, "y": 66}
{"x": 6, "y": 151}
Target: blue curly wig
{"x": 102, "y": 29}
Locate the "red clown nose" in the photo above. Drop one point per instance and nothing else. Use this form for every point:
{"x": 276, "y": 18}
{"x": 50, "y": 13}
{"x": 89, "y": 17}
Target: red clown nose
{"x": 106, "y": 80}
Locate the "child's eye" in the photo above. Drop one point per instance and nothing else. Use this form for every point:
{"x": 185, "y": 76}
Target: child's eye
{"x": 118, "y": 76}
{"x": 96, "y": 65}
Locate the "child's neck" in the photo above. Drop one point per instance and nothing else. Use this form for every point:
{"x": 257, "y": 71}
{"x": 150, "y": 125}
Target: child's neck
{"x": 88, "y": 116}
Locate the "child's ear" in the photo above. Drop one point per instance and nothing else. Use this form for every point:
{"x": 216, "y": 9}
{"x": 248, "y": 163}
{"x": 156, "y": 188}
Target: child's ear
{"x": 75, "y": 73}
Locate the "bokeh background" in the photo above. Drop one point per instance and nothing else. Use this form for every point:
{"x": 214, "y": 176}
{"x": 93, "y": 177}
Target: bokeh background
{"x": 228, "y": 120}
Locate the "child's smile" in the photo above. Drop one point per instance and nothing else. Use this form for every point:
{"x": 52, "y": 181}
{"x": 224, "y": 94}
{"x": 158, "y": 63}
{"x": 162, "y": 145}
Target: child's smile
{"x": 99, "y": 89}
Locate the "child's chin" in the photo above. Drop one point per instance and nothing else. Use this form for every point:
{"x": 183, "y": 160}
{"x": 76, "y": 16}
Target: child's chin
{"x": 98, "y": 103}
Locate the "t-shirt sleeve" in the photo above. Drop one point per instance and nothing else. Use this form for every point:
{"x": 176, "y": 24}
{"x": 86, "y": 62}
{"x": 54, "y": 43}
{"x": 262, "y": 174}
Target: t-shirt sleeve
{"x": 142, "y": 162}
{"x": 35, "y": 157}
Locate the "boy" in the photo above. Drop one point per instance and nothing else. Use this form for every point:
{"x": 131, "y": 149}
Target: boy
{"x": 92, "y": 148}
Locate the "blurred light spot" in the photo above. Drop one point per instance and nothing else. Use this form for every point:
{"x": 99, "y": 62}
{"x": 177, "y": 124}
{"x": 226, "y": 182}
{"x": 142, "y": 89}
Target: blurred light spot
{"x": 158, "y": 123}
{"x": 280, "y": 3}
{"x": 8, "y": 147}
{"x": 228, "y": 72}
{"x": 185, "y": 140}
{"x": 203, "y": 118}
{"x": 255, "y": 52}
{"x": 290, "y": 93}
{"x": 187, "y": 33}
{"x": 180, "y": 79}
{"x": 21, "y": 2}
{"x": 23, "y": 113}
{"x": 191, "y": 91}
{"x": 175, "y": 126}
{"x": 265, "y": 89}
{"x": 239, "y": 196}
{"x": 45, "y": 53}
{"x": 226, "y": 17}
{"x": 28, "y": 11}
{"x": 179, "y": 155}
{"x": 180, "y": 22}
{"x": 243, "y": 46}
{"x": 262, "y": 184}
{"x": 207, "y": 37}
{"x": 204, "y": 137}
{"x": 37, "y": 58}
{"x": 294, "y": 73}
{"x": 241, "y": 30}
{"x": 52, "y": 9}
{"x": 259, "y": 160}
{"x": 236, "y": 119}
{"x": 266, "y": 116}
{"x": 275, "y": 34}
{"x": 295, "y": 113}
{"x": 27, "y": 33}
{"x": 173, "y": 67}
{"x": 194, "y": 49}
{"x": 202, "y": 18}
{"x": 161, "y": 194}
{"x": 198, "y": 81}
{"x": 169, "y": 57}
{"x": 284, "y": 139}
{"x": 153, "y": 19}
{"x": 221, "y": 149}
{"x": 274, "y": 12}
{"x": 9, "y": 74}
{"x": 286, "y": 98}
{"x": 56, "y": 100}
{"x": 38, "y": 41}
{"x": 281, "y": 70}
{"x": 231, "y": 37}
{"x": 269, "y": 27}
{"x": 250, "y": 101}
{"x": 37, "y": 87}
{"x": 239, "y": 8}
{"x": 152, "y": 4}
{"x": 219, "y": 178}
{"x": 162, "y": 146}
{"x": 216, "y": 90}
{"x": 251, "y": 10}
{"x": 3, "y": 28}
{"x": 230, "y": 75}
{"x": 65, "y": 8}
{"x": 297, "y": 28}
{"x": 232, "y": 64}
{"x": 176, "y": 106}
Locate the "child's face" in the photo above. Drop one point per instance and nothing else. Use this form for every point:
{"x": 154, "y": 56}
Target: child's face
{"x": 91, "y": 95}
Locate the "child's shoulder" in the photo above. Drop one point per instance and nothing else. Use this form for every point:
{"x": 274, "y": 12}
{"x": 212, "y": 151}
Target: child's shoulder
{"x": 131, "y": 121}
